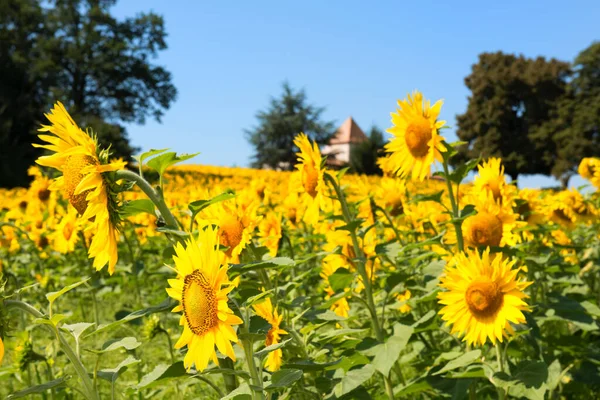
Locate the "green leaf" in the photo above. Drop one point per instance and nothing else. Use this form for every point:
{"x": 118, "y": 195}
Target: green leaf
{"x": 463, "y": 170}
{"x": 199, "y": 205}
{"x": 38, "y": 388}
{"x": 554, "y": 373}
{"x": 162, "y": 373}
{"x": 257, "y": 298}
{"x": 52, "y": 296}
{"x": 341, "y": 279}
{"x": 353, "y": 379}
{"x": 76, "y": 329}
{"x": 128, "y": 343}
{"x": 152, "y": 152}
{"x": 341, "y": 332}
{"x": 462, "y": 361}
{"x": 387, "y": 353}
{"x": 112, "y": 374}
{"x": 284, "y": 378}
{"x": 164, "y": 306}
{"x": 262, "y": 353}
{"x": 419, "y": 198}
{"x": 352, "y": 226}
{"x": 309, "y": 365}
{"x": 273, "y": 263}
{"x": 164, "y": 161}
{"x": 243, "y": 392}
{"x": 134, "y": 207}
{"x": 532, "y": 373}
{"x": 417, "y": 386}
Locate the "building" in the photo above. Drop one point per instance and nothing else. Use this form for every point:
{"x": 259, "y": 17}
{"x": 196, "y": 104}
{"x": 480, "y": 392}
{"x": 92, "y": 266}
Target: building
{"x": 340, "y": 146}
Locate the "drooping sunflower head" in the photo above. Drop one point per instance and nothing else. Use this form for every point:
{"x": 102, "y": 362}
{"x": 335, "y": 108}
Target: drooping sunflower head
{"x": 201, "y": 287}
{"x": 483, "y": 296}
{"x": 416, "y": 143}
{"x": 309, "y": 164}
{"x": 265, "y": 310}
{"x": 589, "y": 168}
{"x": 85, "y": 182}
{"x": 491, "y": 179}
{"x": 495, "y": 224}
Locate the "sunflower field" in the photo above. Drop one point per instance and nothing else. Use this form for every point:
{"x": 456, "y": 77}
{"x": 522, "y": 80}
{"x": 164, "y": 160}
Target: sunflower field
{"x": 183, "y": 281}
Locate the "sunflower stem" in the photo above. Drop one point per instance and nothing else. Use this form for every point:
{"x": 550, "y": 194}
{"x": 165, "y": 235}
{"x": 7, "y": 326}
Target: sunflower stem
{"x": 362, "y": 270}
{"x": 454, "y": 203}
{"x": 152, "y": 194}
{"x": 230, "y": 380}
{"x": 501, "y": 393}
{"x": 256, "y": 381}
{"x": 90, "y": 392}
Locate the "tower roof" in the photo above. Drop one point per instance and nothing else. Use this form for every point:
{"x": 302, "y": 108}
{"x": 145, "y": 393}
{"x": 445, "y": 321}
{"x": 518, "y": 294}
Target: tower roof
{"x": 348, "y": 132}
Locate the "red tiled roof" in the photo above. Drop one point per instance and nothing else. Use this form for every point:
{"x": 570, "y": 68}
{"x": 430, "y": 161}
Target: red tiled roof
{"x": 348, "y": 132}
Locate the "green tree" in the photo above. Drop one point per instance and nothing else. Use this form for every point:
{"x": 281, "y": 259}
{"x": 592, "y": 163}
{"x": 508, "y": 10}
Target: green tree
{"x": 288, "y": 115}
{"x": 363, "y": 156}
{"x": 511, "y": 99}
{"x": 76, "y": 52}
{"x": 574, "y": 125}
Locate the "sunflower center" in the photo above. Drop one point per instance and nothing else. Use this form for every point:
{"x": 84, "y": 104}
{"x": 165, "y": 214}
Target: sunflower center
{"x": 417, "y": 137}
{"x": 560, "y": 215}
{"x": 310, "y": 179}
{"x": 231, "y": 233}
{"x": 484, "y": 298}
{"x": 395, "y": 202}
{"x": 68, "y": 230}
{"x": 72, "y": 176}
{"x": 44, "y": 194}
{"x": 199, "y": 302}
{"x": 484, "y": 230}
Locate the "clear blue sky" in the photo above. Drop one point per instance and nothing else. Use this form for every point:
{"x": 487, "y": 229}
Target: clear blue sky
{"x": 353, "y": 57}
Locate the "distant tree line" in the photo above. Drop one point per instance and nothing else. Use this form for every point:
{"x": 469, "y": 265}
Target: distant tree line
{"x": 541, "y": 116}
{"x": 76, "y": 52}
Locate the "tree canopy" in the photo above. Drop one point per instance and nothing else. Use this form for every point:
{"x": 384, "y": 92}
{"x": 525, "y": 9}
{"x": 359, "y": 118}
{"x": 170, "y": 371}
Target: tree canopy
{"x": 286, "y": 116}
{"x": 364, "y": 155}
{"x": 512, "y": 97}
{"x": 574, "y": 126}
{"x": 76, "y": 52}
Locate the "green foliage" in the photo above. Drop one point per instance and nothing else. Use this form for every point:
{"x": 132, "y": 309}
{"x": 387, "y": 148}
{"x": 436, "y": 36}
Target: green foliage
{"x": 511, "y": 98}
{"x": 286, "y": 117}
{"x": 363, "y": 156}
{"x": 76, "y": 52}
{"x": 574, "y": 126}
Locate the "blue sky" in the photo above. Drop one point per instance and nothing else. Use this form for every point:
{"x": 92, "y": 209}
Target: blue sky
{"x": 353, "y": 57}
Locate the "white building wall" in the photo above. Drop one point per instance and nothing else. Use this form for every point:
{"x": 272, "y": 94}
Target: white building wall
{"x": 341, "y": 151}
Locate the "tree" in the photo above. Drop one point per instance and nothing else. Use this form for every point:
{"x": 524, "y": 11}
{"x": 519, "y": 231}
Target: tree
{"x": 574, "y": 125}
{"x": 363, "y": 156}
{"x": 76, "y": 52}
{"x": 273, "y": 138}
{"x": 511, "y": 98}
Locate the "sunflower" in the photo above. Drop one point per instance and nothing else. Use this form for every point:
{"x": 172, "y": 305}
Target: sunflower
{"x": 84, "y": 181}
{"x": 495, "y": 224}
{"x": 65, "y": 235}
{"x": 483, "y": 296}
{"x": 491, "y": 179}
{"x": 416, "y": 143}
{"x": 265, "y": 310}
{"x": 201, "y": 287}
{"x": 311, "y": 171}
{"x": 403, "y": 299}
{"x": 269, "y": 231}
{"x": 589, "y": 169}
{"x": 236, "y": 219}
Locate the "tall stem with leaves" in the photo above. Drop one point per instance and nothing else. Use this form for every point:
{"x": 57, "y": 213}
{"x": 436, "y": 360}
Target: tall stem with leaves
{"x": 362, "y": 270}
